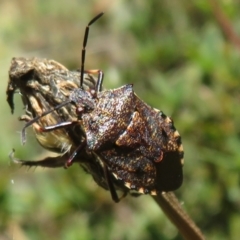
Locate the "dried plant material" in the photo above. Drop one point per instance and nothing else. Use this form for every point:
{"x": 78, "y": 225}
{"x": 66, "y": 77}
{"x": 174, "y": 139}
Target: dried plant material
{"x": 43, "y": 84}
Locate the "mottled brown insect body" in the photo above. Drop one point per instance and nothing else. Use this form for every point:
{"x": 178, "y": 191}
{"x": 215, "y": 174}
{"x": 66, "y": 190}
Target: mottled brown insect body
{"x": 138, "y": 143}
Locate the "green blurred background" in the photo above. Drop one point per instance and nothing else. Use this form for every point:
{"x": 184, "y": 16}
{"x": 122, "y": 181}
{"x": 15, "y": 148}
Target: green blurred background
{"x": 183, "y": 58}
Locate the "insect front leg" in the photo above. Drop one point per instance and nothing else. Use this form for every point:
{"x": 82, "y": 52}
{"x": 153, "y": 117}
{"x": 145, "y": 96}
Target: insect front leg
{"x": 34, "y": 120}
{"x": 57, "y": 126}
{"x": 48, "y": 128}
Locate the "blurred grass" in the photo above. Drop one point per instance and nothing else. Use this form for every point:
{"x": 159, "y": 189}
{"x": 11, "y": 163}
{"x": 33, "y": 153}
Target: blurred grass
{"x": 180, "y": 61}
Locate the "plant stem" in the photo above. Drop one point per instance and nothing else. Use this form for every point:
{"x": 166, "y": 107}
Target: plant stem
{"x": 174, "y": 211}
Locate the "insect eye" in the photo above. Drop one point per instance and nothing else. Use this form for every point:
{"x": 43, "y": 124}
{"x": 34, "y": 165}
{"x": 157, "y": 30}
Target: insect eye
{"x": 93, "y": 93}
{"x": 79, "y": 110}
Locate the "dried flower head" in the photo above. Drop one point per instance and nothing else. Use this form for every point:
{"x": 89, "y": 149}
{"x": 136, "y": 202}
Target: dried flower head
{"x": 44, "y": 84}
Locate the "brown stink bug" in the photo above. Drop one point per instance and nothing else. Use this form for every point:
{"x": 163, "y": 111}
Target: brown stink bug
{"x": 136, "y": 143}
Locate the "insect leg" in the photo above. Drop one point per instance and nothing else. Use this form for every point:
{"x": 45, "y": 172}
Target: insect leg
{"x": 111, "y": 187}
{"x": 69, "y": 162}
{"x": 29, "y": 123}
{"x": 57, "y": 126}
{"x": 51, "y": 162}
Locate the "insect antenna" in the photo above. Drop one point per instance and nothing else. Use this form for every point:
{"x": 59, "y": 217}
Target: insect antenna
{"x": 98, "y": 86}
{"x": 84, "y": 51}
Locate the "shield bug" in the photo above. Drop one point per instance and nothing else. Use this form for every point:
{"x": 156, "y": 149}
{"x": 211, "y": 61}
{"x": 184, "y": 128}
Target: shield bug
{"x": 136, "y": 143}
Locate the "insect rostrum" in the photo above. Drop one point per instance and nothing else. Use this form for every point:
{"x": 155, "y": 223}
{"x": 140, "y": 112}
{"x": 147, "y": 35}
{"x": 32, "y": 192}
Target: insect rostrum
{"x": 138, "y": 146}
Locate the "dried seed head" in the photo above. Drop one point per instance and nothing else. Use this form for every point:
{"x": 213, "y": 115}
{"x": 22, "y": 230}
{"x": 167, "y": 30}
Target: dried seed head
{"x": 44, "y": 84}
